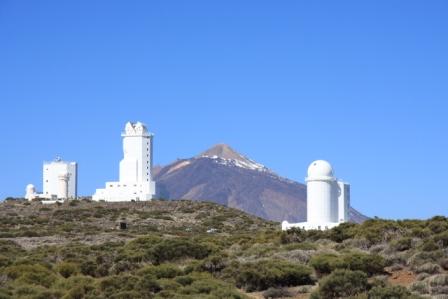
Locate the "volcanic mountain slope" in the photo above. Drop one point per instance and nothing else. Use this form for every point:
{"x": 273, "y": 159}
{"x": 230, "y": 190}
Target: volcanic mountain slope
{"x": 224, "y": 176}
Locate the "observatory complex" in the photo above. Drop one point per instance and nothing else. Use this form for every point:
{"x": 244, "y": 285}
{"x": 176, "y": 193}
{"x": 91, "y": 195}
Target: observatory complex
{"x": 60, "y": 181}
{"x": 135, "y": 182}
{"x": 328, "y": 199}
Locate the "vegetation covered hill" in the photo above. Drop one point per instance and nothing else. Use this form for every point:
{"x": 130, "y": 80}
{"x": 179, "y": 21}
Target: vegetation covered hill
{"x": 185, "y": 249}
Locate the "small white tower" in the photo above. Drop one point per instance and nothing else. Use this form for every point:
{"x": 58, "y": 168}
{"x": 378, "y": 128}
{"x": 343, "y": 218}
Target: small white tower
{"x": 63, "y": 185}
{"x": 328, "y": 199}
{"x": 30, "y": 192}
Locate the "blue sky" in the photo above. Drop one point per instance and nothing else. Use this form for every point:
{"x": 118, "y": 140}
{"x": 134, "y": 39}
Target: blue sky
{"x": 363, "y": 84}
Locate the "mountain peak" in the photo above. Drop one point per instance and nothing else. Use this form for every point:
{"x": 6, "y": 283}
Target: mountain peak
{"x": 225, "y": 155}
{"x": 223, "y": 151}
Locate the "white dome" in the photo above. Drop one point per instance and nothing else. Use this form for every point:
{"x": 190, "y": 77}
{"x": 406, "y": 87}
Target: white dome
{"x": 30, "y": 187}
{"x": 320, "y": 168}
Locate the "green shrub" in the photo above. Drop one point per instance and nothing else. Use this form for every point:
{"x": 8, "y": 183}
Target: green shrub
{"x": 429, "y": 268}
{"x": 35, "y": 292}
{"x": 402, "y": 244}
{"x": 424, "y": 257}
{"x": 67, "y": 269}
{"x": 31, "y": 274}
{"x": 326, "y": 263}
{"x": 342, "y": 283}
{"x": 420, "y": 287}
{"x": 161, "y": 271}
{"x": 276, "y": 293}
{"x": 389, "y": 292}
{"x": 367, "y": 263}
{"x": 147, "y": 284}
{"x": 184, "y": 280}
{"x": 271, "y": 273}
{"x": 117, "y": 283}
{"x": 213, "y": 264}
{"x": 341, "y": 232}
{"x": 438, "y": 225}
{"x": 174, "y": 249}
{"x": 430, "y": 245}
{"x": 292, "y": 235}
{"x": 376, "y": 230}
{"x": 301, "y": 246}
{"x": 442, "y": 239}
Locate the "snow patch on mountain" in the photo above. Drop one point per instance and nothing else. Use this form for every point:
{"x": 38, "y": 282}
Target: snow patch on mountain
{"x": 243, "y": 163}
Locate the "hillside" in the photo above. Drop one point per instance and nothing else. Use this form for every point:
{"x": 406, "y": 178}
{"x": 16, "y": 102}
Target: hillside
{"x": 227, "y": 177}
{"x": 187, "y": 249}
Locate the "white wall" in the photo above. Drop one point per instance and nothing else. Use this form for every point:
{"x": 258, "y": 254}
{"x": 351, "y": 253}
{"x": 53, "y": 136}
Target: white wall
{"x": 51, "y": 182}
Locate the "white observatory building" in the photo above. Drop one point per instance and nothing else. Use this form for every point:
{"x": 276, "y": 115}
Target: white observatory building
{"x": 328, "y": 199}
{"x": 60, "y": 181}
{"x": 135, "y": 182}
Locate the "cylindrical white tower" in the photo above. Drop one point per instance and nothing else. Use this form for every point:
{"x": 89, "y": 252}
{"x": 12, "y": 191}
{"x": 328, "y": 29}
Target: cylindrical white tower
{"x": 321, "y": 203}
{"x": 30, "y": 192}
{"x": 63, "y": 185}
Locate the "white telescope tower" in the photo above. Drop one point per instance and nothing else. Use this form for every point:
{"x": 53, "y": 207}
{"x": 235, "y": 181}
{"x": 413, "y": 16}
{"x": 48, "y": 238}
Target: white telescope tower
{"x": 328, "y": 199}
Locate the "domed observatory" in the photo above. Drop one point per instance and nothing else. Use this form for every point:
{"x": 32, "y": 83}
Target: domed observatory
{"x": 328, "y": 199}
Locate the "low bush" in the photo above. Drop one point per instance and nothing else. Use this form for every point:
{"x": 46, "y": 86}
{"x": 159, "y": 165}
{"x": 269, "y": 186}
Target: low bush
{"x": 117, "y": 283}
{"x": 342, "y": 232}
{"x": 430, "y": 245}
{"x": 402, "y": 244}
{"x": 424, "y": 257}
{"x": 341, "y": 284}
{"x": 368, "y": 263}
{"x": 429, "y": 268}
{"x": 442, "y": 239}
{"x": 160, "y": 271}
{"x": 213, "y": 264}
{"x": 67, "y": 269}
{"x": 326, "y": 263}
{"x": 31, "y": 274}
{"x": 271, "y": 273}
{"x": 444, "y": 263}
{"x": 389, "y": 292}
{"x": 420, "y": 287}
{"x": 276, "y": 293}
{"x": 174, "y": 249}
